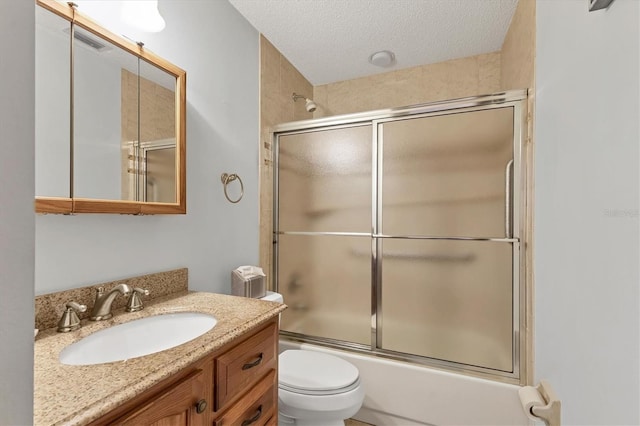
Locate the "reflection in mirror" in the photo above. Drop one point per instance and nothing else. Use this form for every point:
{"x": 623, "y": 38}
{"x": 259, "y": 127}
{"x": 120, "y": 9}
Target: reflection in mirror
{"x": 149, "y": 150}
{"x": 98, "y": 88}
{"x": 159, "y": 183}
{"x": 52, "y": 72}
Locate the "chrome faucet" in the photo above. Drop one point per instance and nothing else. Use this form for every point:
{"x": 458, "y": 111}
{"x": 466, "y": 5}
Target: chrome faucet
{"x": 102, "y": 306}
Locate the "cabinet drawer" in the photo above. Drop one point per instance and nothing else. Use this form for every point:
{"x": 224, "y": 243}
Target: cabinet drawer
{"x": 257, "y": 408}
{"x": 245, "y": 364}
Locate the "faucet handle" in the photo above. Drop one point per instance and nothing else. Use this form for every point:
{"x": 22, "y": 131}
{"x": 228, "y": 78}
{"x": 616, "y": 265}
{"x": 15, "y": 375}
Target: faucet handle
{"x": 70, "y": 320}
{"x": 134, "y": 303}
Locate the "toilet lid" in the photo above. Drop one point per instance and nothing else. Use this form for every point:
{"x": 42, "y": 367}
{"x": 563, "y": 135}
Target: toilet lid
{"x": 315, "y": 371}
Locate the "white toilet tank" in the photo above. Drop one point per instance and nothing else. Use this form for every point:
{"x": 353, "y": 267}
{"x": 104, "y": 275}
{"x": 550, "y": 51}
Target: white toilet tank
{"x": 273, "y": 297}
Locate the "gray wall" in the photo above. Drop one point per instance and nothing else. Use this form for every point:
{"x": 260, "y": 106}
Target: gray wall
{"x": 16, "y": 211}
{"x": 219, "y": 51}
{"x": 586, "y": 208}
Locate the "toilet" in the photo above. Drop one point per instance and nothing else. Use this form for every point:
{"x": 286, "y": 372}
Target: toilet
{"x": 315, "y": 388}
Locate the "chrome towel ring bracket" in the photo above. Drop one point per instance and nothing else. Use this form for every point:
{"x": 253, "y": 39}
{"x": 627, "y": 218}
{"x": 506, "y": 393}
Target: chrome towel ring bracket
{"x": 228, "y": 178}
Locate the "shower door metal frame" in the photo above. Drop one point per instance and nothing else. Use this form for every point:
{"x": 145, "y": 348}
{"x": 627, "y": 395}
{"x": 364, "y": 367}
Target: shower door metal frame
{"x": 515, "y": 99}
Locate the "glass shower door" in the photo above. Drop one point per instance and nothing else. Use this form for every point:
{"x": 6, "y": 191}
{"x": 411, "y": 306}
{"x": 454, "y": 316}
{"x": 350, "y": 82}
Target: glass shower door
{"x": 446, "y": 260}
{"x": 444, "y": 175}
{"x": 323, "y": 233}
{"x": 448, "y": 300}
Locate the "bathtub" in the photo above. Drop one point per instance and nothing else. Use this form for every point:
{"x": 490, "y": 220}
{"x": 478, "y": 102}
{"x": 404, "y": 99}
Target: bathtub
{"x": 399, "y": 393}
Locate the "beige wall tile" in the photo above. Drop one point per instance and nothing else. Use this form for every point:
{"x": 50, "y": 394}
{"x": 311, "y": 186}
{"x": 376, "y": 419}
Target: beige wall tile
{"x": 278, "y": 80}
{"x": 457, "y": 78}
{"x": 269, "y": 66}
{"x": 462, "y": 77}
{"x": 518, "y": 49}
{"x": 435, "y": 81}
{"x": 320, "y": 96}
{"x": 409, "y": 86}
{"x": 489, "y": 70}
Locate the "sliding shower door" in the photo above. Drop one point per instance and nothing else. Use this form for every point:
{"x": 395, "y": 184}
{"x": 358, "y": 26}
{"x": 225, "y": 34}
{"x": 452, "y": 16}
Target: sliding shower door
{"x": 444, "y": 175}
{"x": 448, "y": 300}
{"x": 324, "y": 210}
{"x": 400, "y": 234}
{"x": 446, "y": 261}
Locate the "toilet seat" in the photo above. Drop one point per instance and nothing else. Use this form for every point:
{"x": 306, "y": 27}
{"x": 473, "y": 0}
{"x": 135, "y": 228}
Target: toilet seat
{"x": 316, "y": 373}
{"x": 292, "y": 389}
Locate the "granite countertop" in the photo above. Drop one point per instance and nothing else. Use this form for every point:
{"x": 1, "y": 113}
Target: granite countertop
{"x": 76, "y": 395}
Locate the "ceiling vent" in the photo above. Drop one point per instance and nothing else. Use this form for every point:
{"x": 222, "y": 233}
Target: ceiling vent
{"x": 89, "y": 40}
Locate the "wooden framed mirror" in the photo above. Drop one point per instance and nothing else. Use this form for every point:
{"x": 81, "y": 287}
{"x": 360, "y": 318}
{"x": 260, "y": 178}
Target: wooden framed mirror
{"x": 110, "y": 120}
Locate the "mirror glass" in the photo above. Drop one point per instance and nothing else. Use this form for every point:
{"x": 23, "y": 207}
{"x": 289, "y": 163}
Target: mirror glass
{"x": 156, "y": 151}
{"x": 105, "y": 104}
{"x": 52, "y": 81}
{"x": 160, "y": 182}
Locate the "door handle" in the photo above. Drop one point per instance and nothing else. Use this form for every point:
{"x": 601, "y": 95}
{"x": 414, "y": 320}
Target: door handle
{"x": 507, "y": 199}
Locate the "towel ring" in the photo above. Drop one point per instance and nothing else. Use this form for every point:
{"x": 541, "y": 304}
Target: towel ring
{"x": 226, "y": 179}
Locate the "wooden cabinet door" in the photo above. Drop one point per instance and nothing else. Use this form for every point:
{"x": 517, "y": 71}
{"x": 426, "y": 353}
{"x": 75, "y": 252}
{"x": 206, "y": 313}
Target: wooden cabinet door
{"x": 176, "y": 406}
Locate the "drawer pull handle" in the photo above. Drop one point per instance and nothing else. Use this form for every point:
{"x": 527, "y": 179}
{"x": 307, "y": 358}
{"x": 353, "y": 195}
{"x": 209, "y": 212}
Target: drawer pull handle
{"x": 255, "y": 417}
{"x": 253, "y": 364}
{"x": 201, "y": 406}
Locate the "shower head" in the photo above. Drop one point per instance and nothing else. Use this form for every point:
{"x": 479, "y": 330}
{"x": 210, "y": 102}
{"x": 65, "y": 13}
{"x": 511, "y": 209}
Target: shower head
{"x": 309, "y": 104}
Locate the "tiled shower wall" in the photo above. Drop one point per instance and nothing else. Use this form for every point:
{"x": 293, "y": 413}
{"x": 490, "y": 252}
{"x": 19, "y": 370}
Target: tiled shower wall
{"x": 278, "y": 80}
{"x": 458, "y": 78}
{"x": 519, "y": 48}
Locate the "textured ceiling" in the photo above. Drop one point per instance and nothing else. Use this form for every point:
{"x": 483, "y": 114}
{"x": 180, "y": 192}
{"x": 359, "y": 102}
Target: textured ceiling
{"x": 331, "y": 40}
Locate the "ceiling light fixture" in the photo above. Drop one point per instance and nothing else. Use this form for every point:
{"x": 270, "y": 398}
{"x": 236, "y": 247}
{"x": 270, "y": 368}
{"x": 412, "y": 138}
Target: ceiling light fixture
{"x": 143, "y": 14}
{"x": 383, "y": 58}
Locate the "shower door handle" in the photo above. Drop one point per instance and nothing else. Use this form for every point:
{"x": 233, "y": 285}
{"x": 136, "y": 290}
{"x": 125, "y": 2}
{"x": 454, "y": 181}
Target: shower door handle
{"x": 507, "y": 199}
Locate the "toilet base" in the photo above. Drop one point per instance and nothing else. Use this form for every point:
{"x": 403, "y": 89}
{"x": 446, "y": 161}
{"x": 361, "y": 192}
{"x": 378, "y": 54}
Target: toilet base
{"x": 288, "y": 421}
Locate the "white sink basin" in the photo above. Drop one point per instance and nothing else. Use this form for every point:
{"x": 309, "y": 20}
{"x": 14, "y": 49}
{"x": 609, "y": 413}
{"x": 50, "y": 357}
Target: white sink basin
{"x": 137, "y": 338}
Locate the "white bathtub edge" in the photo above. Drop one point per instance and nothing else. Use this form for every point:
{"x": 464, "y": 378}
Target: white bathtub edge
{"x": 416, "y": 395}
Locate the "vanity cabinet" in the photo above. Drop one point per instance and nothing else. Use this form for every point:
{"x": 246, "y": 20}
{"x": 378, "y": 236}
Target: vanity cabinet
{"x": 235, "y": 385}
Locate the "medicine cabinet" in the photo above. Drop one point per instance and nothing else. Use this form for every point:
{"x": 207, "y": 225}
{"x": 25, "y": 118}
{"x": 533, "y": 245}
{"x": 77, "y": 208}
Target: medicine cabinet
{"x": 110, "y": 120}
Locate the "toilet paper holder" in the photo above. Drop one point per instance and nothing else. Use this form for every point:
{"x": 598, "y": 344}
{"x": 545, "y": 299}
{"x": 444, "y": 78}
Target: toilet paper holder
{"x": 541, "y": 403}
